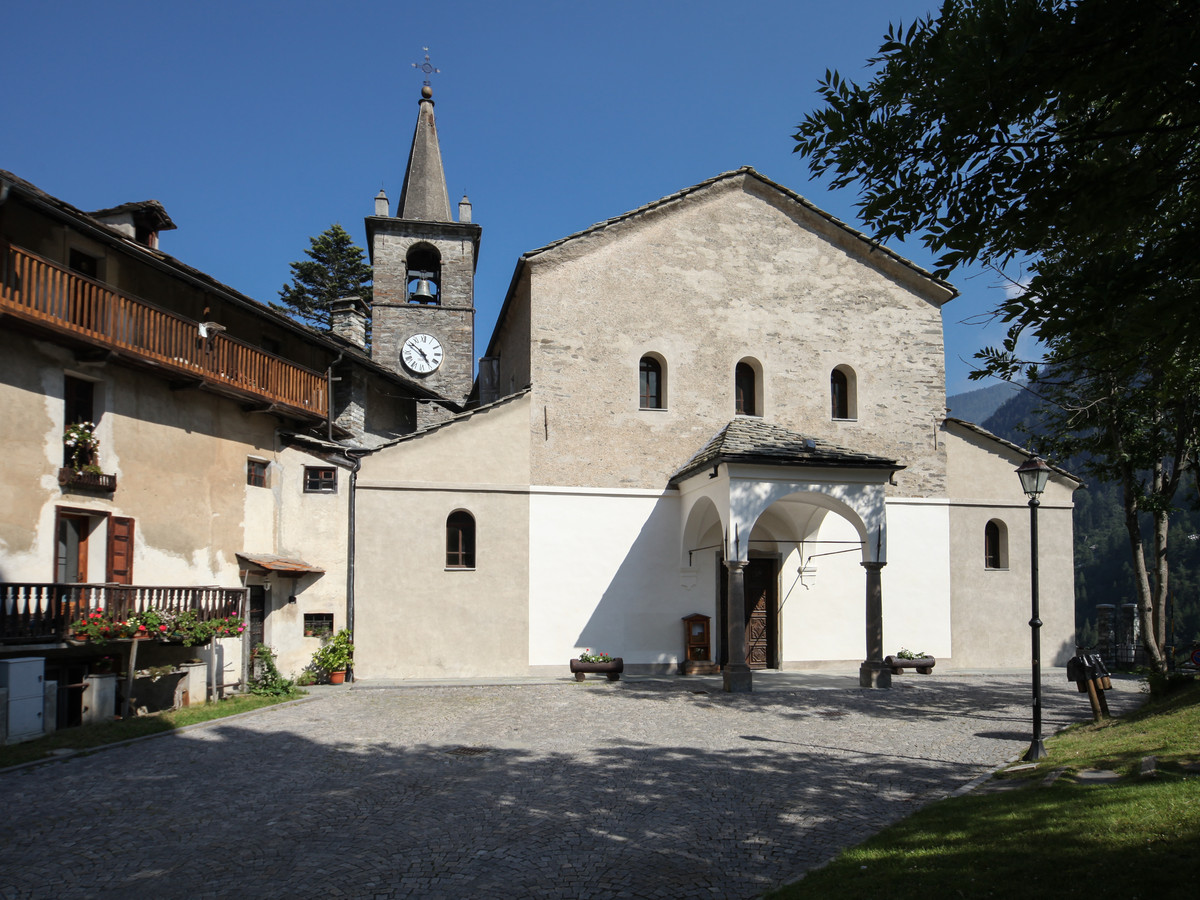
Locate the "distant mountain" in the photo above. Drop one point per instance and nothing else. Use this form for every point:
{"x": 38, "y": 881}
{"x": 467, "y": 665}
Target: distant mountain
{"x": 979, "y": 404}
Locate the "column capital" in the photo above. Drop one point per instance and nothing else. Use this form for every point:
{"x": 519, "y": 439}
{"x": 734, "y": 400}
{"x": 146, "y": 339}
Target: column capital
{"x": 872, "y": 566}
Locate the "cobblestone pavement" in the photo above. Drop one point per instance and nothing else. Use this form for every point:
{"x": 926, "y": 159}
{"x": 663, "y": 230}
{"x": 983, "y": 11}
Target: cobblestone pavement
{"x": 639, "y": 789}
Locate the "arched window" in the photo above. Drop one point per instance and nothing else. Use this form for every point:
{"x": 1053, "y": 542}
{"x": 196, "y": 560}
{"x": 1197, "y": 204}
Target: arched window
{"x": 653, "y": 384}
{"x": 843, "y": 393}
{"x": 424, "y": 275}
{"x": 995, "y": 545}
{"x": 460, "y": 540}
{"x": 745, "y": 387}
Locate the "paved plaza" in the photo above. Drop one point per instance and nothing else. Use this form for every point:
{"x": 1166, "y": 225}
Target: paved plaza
{"x": 554, "y": 789}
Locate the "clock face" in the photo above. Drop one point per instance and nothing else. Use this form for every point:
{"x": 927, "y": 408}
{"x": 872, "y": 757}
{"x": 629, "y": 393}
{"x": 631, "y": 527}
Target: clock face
{"x": 422, "y": 353}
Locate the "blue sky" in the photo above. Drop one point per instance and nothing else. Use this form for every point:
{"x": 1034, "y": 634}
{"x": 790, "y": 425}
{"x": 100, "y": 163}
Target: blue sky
{"x": 258, "y": 124}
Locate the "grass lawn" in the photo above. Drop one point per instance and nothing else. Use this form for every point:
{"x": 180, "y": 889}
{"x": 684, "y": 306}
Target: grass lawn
{"x": 91, "y": 737}
{"x": 1134, "y": 838}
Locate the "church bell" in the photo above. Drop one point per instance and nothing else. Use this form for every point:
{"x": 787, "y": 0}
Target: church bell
{"x": 423, "y": 294}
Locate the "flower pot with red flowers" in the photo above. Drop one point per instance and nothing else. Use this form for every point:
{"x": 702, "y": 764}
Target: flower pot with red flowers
{"x": 597, "y": 664}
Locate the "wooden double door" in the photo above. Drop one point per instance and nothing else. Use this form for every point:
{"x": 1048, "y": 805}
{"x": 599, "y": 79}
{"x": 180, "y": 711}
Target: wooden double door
{"x": 761, "y": 580}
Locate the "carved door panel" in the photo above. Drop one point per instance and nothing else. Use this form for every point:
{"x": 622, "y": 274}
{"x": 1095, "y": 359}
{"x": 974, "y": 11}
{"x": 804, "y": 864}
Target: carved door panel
{"x": 760, "y": 613}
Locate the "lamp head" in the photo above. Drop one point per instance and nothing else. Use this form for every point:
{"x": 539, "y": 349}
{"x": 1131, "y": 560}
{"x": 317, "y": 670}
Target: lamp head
{"x": 1034, "y": 473}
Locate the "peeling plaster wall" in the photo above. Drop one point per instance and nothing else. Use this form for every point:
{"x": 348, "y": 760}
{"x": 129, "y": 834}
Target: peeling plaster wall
{"x": 180, "y": 461}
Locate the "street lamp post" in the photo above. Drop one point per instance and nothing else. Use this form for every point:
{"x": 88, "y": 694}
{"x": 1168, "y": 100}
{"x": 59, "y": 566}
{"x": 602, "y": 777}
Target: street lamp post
{"x": 1034, "y": 473}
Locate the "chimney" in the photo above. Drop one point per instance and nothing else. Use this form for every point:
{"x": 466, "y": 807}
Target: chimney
{"x": 348, "y": 317}
{"x": 489, "y": 379}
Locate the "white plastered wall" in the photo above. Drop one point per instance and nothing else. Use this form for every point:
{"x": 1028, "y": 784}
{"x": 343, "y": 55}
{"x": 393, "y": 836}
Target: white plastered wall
{"x": 604, "y": 575}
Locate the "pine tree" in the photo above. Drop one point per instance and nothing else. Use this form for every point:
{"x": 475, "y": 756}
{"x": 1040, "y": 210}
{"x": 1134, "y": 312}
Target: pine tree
{"x": 335, "y": 268}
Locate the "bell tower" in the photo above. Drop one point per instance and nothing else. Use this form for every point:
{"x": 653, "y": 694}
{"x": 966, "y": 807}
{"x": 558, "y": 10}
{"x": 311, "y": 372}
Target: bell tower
{"x": 423, "y": 313}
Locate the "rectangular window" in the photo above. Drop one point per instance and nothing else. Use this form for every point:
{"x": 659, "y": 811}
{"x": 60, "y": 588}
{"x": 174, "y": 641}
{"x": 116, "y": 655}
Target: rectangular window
{"x": 318, "y": 625}
{"x": 256, "y": 472}
{"x": 79, "y": 406}
{"x": 83, "y": 263}
{"x": 320, "y": 480}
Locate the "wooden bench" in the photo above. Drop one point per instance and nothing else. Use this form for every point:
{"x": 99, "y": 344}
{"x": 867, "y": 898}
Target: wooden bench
{"x": 924, "y": 665}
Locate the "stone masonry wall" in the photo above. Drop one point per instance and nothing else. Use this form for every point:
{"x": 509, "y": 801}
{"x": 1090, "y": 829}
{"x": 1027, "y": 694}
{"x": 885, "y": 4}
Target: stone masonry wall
{"x": 394, "y": 319}
{"x": 733, "y": 271}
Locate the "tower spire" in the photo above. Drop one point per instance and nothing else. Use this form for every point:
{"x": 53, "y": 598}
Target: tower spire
{"x": 424, "y": 196}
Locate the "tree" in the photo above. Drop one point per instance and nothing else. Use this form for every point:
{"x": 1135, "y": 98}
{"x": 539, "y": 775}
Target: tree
{"x": 335, "y": 268}
{"x": 1017, "y": 131}
{"x": 1062, "y": 136}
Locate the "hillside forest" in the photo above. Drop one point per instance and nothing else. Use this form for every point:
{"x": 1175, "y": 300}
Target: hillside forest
{"x": 1103, "y": 572}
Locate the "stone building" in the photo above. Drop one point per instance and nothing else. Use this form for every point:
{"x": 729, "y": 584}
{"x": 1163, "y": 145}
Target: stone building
{"x": 724, "y": 398}
{"x": 223, "y": 473}
{"x": 725, "y": 404}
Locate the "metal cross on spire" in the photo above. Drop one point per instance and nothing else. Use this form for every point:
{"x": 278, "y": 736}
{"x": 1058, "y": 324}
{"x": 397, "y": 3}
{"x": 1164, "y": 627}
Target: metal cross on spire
{"x": 426, "y": 67}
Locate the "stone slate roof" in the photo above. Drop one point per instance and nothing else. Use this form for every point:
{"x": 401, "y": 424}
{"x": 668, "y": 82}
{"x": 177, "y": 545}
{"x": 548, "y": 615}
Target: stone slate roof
{"x": 750, "y": 440}
{"x": 149, "y": 212}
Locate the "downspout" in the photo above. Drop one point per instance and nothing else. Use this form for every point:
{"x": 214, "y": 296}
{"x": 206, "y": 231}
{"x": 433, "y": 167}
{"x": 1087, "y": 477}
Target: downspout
{"x": 329, "y": 380}
{"x": 355, "y": 457}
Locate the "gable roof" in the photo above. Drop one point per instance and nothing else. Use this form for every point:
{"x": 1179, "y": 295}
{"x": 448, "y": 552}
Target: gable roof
{"x": 868, "y": 244}
{"x": 753, "y": 441}
{"x": 1009, "y": 445}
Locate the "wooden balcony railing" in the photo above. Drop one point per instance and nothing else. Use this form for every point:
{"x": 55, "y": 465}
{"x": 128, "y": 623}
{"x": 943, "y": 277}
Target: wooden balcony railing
{"x": 37, "y": 613}
{"x": 42, "y": 292}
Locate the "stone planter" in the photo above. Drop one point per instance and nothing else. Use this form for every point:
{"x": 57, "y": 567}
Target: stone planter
{"x": 924, "y": 665}
{"x": 611, "y": 669}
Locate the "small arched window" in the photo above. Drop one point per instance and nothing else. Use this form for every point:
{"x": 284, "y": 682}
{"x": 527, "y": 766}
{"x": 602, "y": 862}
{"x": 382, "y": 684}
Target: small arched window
{"x": 745, "y": 387}
{"x": 995, "y": 545}
{"x": 843, "y": 393}
{"x": 652, "y": 387}
{"x": 460, "y": 540}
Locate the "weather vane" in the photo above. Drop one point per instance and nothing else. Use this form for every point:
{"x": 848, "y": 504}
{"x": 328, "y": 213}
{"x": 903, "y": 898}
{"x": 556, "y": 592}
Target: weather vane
{"x": 426, "y": 67}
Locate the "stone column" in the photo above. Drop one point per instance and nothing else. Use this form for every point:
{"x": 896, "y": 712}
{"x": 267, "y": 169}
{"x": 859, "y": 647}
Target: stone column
{"x": 738, "y": 679}
{"x": 873, "y": 672}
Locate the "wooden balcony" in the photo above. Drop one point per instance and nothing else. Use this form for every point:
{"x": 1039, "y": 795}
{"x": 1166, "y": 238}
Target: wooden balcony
{"x": 46, "y": 295}
{"x": 43, "y": 613}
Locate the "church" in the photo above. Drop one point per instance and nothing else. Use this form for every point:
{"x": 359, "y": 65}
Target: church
{"x": 722, "y": 411}
{"x": 708, "y": 434}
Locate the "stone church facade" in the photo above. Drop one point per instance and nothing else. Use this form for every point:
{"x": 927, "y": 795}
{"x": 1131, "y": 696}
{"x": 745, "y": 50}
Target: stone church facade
{"x": 725, "y": 398}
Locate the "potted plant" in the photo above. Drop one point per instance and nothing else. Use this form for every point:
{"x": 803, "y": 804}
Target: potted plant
{"x": 333, "y": 657}
{"x": 101, "y": 626}
{"x": 81, "y": 443}
{"x": 599, "y": 663}
{"x": 909, "y": 659}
